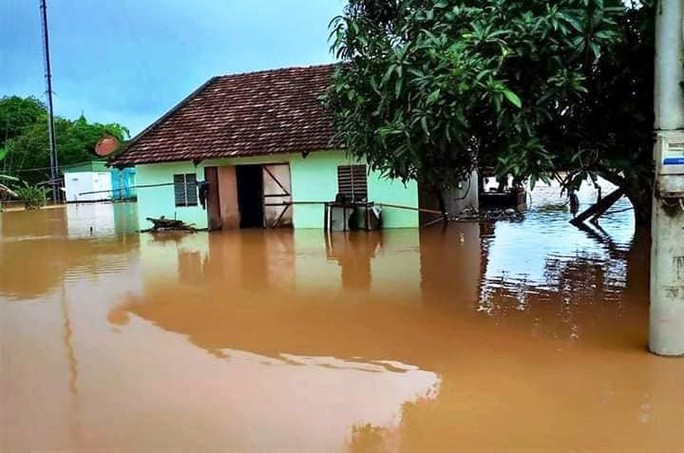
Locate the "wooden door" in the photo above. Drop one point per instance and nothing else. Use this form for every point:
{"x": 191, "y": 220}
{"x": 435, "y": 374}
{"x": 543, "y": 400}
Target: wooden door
{"x": 277, "y": 196}
{"x": 213, "y": 204}
{"x": 228, "y": 194}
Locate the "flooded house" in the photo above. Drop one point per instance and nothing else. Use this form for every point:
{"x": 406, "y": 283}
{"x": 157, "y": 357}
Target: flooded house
{"x": 93, "y": 181}
{"x": 255, "y": 150}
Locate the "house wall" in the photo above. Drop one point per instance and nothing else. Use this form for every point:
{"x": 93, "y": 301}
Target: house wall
{"x": 159, "y": 201}
{"x": 462, "y": 197}
{"x": 123, "y": 183}
{"x": 314, "y": 179}
{"x": 456, "y": 200}
{"x": 77, "y": 183}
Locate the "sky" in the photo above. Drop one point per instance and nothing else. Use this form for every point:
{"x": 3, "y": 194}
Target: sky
{"x": 129, "y": 61}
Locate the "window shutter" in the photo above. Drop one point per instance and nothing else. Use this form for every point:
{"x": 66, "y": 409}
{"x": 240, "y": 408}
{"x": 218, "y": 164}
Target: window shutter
{"x": 191, "y": 189}
{"x": 360, "y": 183}
{"x": 352, "y": 182}
{"x": 185, "y": 189}
{"x": 179, "y": 189}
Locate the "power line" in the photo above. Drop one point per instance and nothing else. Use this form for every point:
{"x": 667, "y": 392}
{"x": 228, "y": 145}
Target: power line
{"x": 24, "y": 170}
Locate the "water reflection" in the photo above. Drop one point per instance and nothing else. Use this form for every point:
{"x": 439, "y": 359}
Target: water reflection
{"x": 40, "y": 249}
{"x": 451, "y": 264}
{"x": 525, "y": 335}
{"x": 225, "y": 290}
{"x": 556, "y": 279}
{"x": 354, "y": 253}
{"x": 304, "y": 299}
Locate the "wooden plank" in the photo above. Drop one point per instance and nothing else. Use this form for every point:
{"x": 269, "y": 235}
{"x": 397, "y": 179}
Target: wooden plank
{"x": 213, "y": 202}
{"x": 228, "y": 196}
{"x": 277, "y": 195}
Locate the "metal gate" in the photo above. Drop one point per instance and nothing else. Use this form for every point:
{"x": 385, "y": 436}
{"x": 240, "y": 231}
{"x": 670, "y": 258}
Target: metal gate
{"x": 277, "y": 196}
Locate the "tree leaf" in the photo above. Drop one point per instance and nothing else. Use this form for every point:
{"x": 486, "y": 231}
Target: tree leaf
{"x": 512, "y": 97}
{"x": 584, "y": 75}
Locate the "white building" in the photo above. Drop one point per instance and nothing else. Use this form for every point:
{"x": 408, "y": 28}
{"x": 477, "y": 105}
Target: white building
{"x": 90, "y": 182}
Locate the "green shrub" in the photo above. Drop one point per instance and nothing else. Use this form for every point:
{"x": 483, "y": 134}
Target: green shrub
{"x": 34, "y": 197}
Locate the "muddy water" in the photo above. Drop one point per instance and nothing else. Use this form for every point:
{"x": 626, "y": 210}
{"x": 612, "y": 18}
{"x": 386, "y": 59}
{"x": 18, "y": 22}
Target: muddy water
{"x": 526, "y": 335}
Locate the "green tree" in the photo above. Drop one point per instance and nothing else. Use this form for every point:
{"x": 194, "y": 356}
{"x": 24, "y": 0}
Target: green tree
{"x": 17, "y": 114}
{"x": 27, "y": 145}
{"x": 430, "y": 89}
{"x": 609, "y": 133}
{"x": 5, "y": 190}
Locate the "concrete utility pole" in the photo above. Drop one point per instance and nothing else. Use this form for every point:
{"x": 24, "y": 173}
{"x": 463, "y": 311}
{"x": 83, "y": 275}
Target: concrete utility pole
{"x": 667, "y": 250}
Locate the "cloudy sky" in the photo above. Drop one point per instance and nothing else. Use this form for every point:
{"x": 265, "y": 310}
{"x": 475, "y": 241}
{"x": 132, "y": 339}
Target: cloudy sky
{"x": 128, "y": 61}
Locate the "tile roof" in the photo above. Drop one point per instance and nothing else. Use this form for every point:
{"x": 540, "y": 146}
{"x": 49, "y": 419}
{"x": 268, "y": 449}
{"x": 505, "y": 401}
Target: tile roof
{"x": 267, "y": 112}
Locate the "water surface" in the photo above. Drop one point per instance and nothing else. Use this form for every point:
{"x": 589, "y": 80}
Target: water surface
{"x": 520, "y": 335}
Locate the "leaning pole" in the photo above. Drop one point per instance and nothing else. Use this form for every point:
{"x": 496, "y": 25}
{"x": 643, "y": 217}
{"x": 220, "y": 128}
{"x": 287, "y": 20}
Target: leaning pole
{"x": 667, "y": 249}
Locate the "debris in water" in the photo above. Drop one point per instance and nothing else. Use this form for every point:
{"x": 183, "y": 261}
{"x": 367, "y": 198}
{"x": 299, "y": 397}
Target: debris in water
{"x": 163, "y": 224}
{"x": 488, "y": 215}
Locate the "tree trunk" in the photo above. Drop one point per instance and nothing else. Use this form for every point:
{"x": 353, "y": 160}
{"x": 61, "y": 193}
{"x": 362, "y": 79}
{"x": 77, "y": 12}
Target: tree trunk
{"x": 442, "y": 205}
{"x": 642, "y": 201}
{"x": 639, "y": 191}
{"x": 598, "y": 209}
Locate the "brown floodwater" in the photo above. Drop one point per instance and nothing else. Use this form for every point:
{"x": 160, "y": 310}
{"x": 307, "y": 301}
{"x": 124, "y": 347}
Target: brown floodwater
{"x": 523, "y": 335}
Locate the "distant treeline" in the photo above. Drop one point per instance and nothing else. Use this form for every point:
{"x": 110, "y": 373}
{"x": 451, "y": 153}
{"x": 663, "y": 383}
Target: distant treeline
{"x": 24, "y": 139}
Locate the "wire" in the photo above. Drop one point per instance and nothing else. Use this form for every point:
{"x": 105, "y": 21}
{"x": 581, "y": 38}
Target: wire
{"x": 681, "y": 203}
{"x": 47, "y": 168}
{"x": 143, "y": 186}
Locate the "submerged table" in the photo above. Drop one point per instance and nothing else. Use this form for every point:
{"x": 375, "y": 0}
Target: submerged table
{"x": 366, "y": 206}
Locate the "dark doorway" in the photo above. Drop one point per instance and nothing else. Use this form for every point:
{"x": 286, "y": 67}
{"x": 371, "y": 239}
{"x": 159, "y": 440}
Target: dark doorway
{"x": 250, "y": 186}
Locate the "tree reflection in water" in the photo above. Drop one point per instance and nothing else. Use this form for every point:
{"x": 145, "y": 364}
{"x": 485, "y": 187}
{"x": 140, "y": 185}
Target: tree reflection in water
{"x": 577, "y": 288}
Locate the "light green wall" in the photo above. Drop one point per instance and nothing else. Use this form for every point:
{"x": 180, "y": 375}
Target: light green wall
{"x": 159, "y": 201}
{"x": 314, "y": 178}
{"x": 383, "y": 190}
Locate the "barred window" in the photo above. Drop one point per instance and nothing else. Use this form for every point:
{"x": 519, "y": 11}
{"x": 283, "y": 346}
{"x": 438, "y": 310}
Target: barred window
{"x": 352, "y": 182}
{"x": 185, "y": 189}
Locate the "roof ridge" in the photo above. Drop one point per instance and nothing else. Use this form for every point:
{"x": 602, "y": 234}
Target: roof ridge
{"x": 276, "y": 70}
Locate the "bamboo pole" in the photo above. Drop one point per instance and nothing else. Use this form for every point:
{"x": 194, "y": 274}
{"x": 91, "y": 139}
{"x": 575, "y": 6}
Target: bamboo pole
{"x": 387, "y": 205}
{"x": 410, "y": 208}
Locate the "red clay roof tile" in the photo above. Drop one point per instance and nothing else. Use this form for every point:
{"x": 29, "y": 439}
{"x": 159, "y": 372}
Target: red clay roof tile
{"x": 267, "y": 112}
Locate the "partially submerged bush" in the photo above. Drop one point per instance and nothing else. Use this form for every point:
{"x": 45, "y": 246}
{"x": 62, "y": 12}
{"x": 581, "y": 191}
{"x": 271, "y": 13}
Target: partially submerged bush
{"x": 34, "y": 197}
